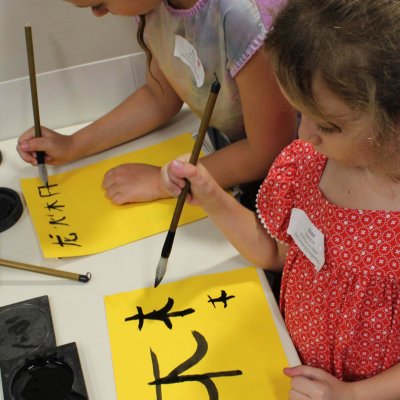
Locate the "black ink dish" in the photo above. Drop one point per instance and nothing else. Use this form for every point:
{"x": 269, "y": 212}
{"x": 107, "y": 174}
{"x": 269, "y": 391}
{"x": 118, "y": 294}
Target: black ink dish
{"x": 10, "y": 208}
{"x": 51, "y": 374}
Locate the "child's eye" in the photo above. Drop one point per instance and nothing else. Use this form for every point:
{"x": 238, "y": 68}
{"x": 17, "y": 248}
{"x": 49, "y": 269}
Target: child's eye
{"x": 330, "y": 129}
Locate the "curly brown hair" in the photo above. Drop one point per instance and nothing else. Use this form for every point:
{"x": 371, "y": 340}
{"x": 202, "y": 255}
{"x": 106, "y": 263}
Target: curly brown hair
{"x": 353, "y": 45}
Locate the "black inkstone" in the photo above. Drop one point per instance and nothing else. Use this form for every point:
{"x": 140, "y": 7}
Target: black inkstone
{"x": 25, "y": 327}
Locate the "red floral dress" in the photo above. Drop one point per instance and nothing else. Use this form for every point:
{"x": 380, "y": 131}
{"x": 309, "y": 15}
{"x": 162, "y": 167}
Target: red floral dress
{"x": 344, "y": 318}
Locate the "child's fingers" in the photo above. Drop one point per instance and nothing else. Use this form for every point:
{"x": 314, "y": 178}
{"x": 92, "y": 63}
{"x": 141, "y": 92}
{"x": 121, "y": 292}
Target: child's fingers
{"x": 31, "y": 145}
{"x": 23, "y": 146}
{"x": 196, "y": 174}
{"x": 28, "y": 134}
{"x": 27, "y": 156}
{"x": 180, "y": 169}
{"x": 171, "y": 183}
{"x": 175, "y": 174}
{"x": 304, "y": 382}
{"x": 316, "y": 383}
{"x": 293, "y": 371}
{"x": 184, "y": 158}
{"x": 306, "y": 371}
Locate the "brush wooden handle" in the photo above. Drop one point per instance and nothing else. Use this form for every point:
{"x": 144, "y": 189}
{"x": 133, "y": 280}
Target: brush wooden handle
{"x": 40, "y": 156}
{"x": 32, "y": 79}
{"x": 169, "y": 240}
{"x": 212, "y": 98}
{"x": 47, "y": 271}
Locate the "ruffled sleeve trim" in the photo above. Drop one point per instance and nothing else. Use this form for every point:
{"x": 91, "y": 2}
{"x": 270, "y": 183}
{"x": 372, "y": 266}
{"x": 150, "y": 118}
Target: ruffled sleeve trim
{"x": 265, "y": 226}
{"x": 251, "y": 49}
{"x": 185, "y": 13}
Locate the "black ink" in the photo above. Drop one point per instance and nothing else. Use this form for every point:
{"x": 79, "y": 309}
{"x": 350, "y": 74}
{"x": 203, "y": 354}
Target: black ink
{"x": 18, "y": 329}
{"x": 66, "y": 241}
{"x": 222, "y": 299}
{"x": 45, "y": 191}
{"x": 160, "y": 315}
{"x": 53, "y": 206}
{"x": 176, "y": 375}
{"x": 18, "y": 326}
{"x": 63, "y": 239}
{"x": 53, "y": 221}
{"x": 45, "y": 379}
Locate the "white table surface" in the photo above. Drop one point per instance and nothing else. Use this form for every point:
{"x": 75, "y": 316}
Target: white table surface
{"x": 77, "y": 308}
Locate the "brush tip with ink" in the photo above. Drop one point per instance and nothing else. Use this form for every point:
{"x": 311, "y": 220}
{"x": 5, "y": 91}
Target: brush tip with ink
{"x": 43, "y": 174}
{"x": 161, "y": 269}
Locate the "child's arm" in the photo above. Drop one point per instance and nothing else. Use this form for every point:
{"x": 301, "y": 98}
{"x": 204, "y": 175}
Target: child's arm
{"x": 146, "y": 109}
{"x": 270, "y": 124}
{"x": 238, "y": 224}
{"x": 317, "y": 384}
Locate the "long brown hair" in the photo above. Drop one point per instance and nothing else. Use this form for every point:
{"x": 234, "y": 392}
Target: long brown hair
{"x": 143, "y": 45}
{"x": 140, "y": 39}
{"x": 354, "y": 46}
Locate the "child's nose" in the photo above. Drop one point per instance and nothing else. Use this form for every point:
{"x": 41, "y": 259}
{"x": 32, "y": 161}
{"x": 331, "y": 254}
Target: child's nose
{"x": 308, "y": 132}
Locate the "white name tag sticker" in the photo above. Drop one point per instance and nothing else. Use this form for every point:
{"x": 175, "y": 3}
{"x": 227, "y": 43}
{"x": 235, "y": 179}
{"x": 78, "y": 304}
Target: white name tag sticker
{"x": 188, "y": 54}
{"x": 307, "y": 237}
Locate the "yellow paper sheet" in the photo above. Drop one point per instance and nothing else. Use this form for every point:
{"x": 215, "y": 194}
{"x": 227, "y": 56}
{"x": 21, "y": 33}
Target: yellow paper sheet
{"x": 73, "y": 216}
{"x": 243, "y": 356}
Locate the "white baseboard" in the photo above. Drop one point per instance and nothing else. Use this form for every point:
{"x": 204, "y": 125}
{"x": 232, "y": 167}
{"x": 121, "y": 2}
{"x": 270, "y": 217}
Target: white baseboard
{"x": 70, "y": 96}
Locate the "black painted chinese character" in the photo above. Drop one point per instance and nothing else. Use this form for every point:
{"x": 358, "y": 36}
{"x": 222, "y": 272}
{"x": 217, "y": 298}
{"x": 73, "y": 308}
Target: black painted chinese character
{"x": 54, "y": 206}
{"x": 222, "y": 299}
{"x": 53, "y": 221}
{"x": 65, "y": 241}
{"x": 176, "y": 375}
{"x": 45, "y": 191}
{"x": 161, "y": 315}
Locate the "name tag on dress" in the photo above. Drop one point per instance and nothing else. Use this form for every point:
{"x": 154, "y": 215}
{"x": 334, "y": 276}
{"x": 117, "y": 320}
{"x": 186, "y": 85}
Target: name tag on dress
{"x": 308, "y": 238}
{"x": 188, "y": 54}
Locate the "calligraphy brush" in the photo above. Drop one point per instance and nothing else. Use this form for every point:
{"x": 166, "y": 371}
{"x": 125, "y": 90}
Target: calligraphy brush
{"x": 166, "y": 250}
{"x": 35, "y": 103}
{"x": 47, "y": 271}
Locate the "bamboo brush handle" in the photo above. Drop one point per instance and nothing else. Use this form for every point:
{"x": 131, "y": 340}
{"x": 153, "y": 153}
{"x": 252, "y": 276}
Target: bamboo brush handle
{"x": 46, "y": 271}
{"x": 212, "y": 98}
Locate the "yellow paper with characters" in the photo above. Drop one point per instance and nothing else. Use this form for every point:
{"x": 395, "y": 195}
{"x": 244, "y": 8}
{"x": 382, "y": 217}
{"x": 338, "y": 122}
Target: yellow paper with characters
{"x": 207, "y": 337}
{"x": 73, "y": 217}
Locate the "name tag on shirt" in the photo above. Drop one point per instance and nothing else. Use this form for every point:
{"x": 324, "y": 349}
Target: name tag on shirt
{"x": 308, "y": 238}
{"x": 188, "y": 54}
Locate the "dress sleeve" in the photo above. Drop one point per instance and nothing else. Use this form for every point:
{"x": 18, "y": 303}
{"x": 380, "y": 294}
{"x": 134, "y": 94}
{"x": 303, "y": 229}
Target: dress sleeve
{"x": 244, "y": 32}
{"x": 275, "y": 198}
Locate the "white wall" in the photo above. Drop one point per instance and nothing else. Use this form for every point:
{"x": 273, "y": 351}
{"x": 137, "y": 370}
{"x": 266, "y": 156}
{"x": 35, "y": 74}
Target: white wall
{"x": 85, "y": 65}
